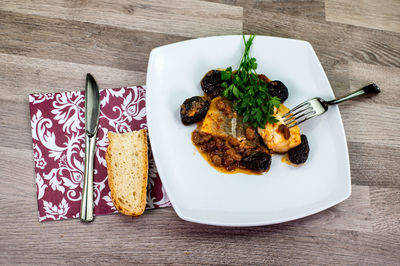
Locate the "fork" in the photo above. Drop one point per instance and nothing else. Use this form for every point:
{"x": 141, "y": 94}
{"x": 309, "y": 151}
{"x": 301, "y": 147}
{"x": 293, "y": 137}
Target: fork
{"x": 317, "y": 106}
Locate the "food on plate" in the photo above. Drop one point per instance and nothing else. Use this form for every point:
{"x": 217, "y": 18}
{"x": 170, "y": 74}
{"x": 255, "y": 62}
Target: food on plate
{"x": 278, "y": 89}
{"x": 211, "y": 83}
{"x": 299, "y": 154}
{"x": 229, "y": 153}
{"x": 278, "y": 137}
{"x": 239, "y": 119}
{"x": 194, "y": 109}
{"x": 227, "y": 141}
{"x": 127, "y": 167}
{"x": 218, "y": 120}
{"x": 259, "y": 161}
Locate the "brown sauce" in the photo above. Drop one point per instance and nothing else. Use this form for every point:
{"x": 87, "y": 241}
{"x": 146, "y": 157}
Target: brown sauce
{"x": 222, "y": 169}
{"x": 285, "y": 159}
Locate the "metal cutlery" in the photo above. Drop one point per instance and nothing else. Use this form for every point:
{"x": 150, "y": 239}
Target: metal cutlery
{"x": 317, "y": 106}
{"x": 92, "y": 111}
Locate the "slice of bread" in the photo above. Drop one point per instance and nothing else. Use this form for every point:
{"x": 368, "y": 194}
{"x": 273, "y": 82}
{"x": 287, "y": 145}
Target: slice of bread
{"x": 127, "y": 167}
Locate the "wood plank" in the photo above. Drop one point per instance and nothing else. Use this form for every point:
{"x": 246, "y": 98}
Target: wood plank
{"x": 374, "y": 165}
{"x": 387, "y": 78}
{"x": 78, "y": 42}
{"x": 177, "y": 17}
{"x": 352, "y": 214}
{"x": 338, "y": 74}
{"x": 364, "y": 122}
{"x": 148, "y": 239}
{"x": 365, "y": 13}
{"x": 310, "y": 9}
{"x": 375, "y": 124}
{"x": 23, "y": 75}
{"x": 385, "y": 204}
{"x": 330, "y": 40}
{"x": 15, "y": 124}
{"x": 17, "y": 163}
{"x": 359, "y": 75}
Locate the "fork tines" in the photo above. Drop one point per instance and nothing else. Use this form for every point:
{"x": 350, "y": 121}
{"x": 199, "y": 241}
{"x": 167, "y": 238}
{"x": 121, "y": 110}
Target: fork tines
{"x": 303, "y": 110}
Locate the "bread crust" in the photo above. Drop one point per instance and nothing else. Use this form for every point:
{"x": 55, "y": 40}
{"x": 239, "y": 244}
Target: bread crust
{"x": 119, "y": 207}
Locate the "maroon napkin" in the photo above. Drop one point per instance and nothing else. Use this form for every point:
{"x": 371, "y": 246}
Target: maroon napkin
{"x": 58, "y": 123}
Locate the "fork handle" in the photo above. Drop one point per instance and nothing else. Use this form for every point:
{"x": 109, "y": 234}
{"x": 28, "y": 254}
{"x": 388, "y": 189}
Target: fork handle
{"x": 367, "y": 90}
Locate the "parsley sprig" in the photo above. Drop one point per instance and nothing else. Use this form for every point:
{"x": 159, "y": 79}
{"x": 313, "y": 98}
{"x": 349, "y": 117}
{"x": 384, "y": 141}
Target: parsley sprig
{"x": 249, "y": 93}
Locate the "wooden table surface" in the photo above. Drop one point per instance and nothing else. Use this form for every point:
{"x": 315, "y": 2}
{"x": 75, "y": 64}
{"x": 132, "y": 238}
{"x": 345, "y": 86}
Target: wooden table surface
{"x": 49, "y": 45}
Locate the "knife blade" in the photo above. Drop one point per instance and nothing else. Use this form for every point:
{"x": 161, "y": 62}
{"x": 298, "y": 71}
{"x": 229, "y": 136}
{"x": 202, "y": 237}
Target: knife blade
{"x": 92, "y": 112}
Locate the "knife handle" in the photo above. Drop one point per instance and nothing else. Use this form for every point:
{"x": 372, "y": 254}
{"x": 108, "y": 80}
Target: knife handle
{"x": 86, "y": 213}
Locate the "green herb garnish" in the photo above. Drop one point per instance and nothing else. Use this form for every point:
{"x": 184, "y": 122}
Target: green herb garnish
{"x": 249, "y": 93}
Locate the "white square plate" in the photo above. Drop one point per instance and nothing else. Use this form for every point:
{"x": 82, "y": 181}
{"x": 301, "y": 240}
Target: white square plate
{"x": 201, "y": 194}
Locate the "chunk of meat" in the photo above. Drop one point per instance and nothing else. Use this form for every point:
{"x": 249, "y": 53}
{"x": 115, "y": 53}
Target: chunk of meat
{"x": 216, "y": 160}
{"x": 200, "y": 138}
{"x": 233, "y": 154}
{"x": 250, "y": 134}
{"x": 273, "y": 136}
{"x": 221, "y": 120}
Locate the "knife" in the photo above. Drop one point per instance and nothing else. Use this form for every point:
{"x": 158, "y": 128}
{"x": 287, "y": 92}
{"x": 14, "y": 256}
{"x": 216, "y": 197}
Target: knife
{"x": 92, "y": 111}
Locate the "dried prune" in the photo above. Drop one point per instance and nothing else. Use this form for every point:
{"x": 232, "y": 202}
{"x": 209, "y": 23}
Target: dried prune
{"x": 259, "y": 161}
{"x": 194, "y": 110}
{"x": 211, "y": 83}
{"x": 299, "y": 154}
{"x": 278, "y": 89}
